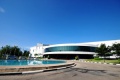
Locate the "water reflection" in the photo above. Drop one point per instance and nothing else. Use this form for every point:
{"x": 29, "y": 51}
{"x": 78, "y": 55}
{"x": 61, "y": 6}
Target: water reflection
{"x": 28, "y": 62}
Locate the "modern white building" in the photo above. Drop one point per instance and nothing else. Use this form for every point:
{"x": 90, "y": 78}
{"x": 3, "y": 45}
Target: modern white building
{"x": 37, "y": 51}
{"x": 69, "y": 50}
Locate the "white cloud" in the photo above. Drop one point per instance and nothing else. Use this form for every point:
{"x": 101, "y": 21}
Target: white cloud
{"x": 2, "y": 10}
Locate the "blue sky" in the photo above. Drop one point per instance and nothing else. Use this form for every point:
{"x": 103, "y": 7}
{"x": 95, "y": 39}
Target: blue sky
{"x": 28, "y": 22}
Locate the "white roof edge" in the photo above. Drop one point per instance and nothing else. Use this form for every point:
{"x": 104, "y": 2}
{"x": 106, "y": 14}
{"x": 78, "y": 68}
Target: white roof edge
{"x": 85, "y": 43}
{"x": 88, "y": 42}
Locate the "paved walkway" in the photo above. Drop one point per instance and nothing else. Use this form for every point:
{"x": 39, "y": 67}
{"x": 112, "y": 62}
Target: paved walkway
{"x": 82, "y": 71}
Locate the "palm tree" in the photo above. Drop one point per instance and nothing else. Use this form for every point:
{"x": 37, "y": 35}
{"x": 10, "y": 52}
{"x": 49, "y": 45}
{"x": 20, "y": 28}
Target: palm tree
{"x": 102, "y": 51}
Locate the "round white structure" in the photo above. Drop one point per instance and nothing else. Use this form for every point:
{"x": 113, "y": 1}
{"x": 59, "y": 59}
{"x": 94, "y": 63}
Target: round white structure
{"x": 69, "y": 50}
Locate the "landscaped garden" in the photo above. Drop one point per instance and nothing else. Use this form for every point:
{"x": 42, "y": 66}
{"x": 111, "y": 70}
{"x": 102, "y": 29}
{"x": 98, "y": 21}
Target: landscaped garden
{"x": 104, "y": 61}
{"x": 104, "y": 52}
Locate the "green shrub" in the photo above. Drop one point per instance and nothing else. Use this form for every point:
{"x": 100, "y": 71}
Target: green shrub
{"x": 76, "y": 57}
{"x": 97, "y": 58}
{"x": 119, "y": 60}
{"x": 40, "y": 57}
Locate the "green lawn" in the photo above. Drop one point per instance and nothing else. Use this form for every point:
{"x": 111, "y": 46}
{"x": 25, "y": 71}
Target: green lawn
{"x": 102, "y": 61}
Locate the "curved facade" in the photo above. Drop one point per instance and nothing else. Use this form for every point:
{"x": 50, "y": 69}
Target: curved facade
{"x": 70, "y": 48}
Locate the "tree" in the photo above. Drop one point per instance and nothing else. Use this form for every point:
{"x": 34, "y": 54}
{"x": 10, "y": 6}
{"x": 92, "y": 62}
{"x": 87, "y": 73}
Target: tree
{"x": 108, "y": 51}
{"x": 116, "y": 49}
{"x": 26, "y": 53}
{"x": 102, "y": 51}
{"x": 0, "y": 55}
{"x": 7, "y": 50}
{"x": 76, "y": 57}
{"x": 16, "y": 50}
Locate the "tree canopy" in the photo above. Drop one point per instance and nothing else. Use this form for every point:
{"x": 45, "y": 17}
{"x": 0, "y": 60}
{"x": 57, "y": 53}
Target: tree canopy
{"x": 13, "y": 51}
{"x": 102, "y": 50}
{"x": 116, "y": 49}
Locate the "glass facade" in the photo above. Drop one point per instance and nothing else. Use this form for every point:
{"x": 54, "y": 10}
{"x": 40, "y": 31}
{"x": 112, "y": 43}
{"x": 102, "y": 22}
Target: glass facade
{"x": 70, "y": 48}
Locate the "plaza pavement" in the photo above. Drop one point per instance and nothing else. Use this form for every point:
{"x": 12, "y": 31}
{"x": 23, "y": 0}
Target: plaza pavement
{"x": 82, "y": 71}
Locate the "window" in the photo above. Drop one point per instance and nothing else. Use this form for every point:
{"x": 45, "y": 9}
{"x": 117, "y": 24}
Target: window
{"x": 71, "y": 48}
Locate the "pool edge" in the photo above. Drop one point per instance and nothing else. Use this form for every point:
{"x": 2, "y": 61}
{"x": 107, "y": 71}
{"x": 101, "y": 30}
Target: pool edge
{"x": 68, "y": 65}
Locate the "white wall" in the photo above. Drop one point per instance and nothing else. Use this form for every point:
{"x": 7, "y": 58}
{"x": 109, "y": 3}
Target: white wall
{"x": 37, "y": 50}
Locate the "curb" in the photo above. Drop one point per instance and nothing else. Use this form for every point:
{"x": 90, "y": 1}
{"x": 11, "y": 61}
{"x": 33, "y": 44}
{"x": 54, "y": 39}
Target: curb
{"x": 10, "y": 73}
{"x": 36, "y": 71}
{"x": 99, "y": 62}
{"x": 47, "y": 70}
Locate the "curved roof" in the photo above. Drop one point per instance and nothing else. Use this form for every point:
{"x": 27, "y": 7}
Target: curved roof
{"x": 71, "y": 44}
{"x": 94, "y": 44}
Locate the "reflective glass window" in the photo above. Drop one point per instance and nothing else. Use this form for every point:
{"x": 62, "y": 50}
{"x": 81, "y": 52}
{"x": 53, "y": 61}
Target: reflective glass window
{"x": 70, "y": 48}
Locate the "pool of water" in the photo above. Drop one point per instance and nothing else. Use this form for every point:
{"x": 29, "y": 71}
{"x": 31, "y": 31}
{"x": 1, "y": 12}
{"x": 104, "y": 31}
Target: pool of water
{"x": 28, "y": 62}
